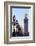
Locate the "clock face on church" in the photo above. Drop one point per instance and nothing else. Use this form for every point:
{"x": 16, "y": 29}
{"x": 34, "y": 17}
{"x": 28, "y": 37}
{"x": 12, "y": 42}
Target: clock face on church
{"x": 20, "y": 22}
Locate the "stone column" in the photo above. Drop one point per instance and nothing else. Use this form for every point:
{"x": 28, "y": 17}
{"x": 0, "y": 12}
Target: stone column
{"x": 26, "y": 26}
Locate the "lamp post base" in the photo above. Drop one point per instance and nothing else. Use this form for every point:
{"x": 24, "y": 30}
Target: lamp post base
{"x": 26, "y": 34}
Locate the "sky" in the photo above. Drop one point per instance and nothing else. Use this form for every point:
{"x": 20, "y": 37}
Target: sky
{"x": 20, "y": 15}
